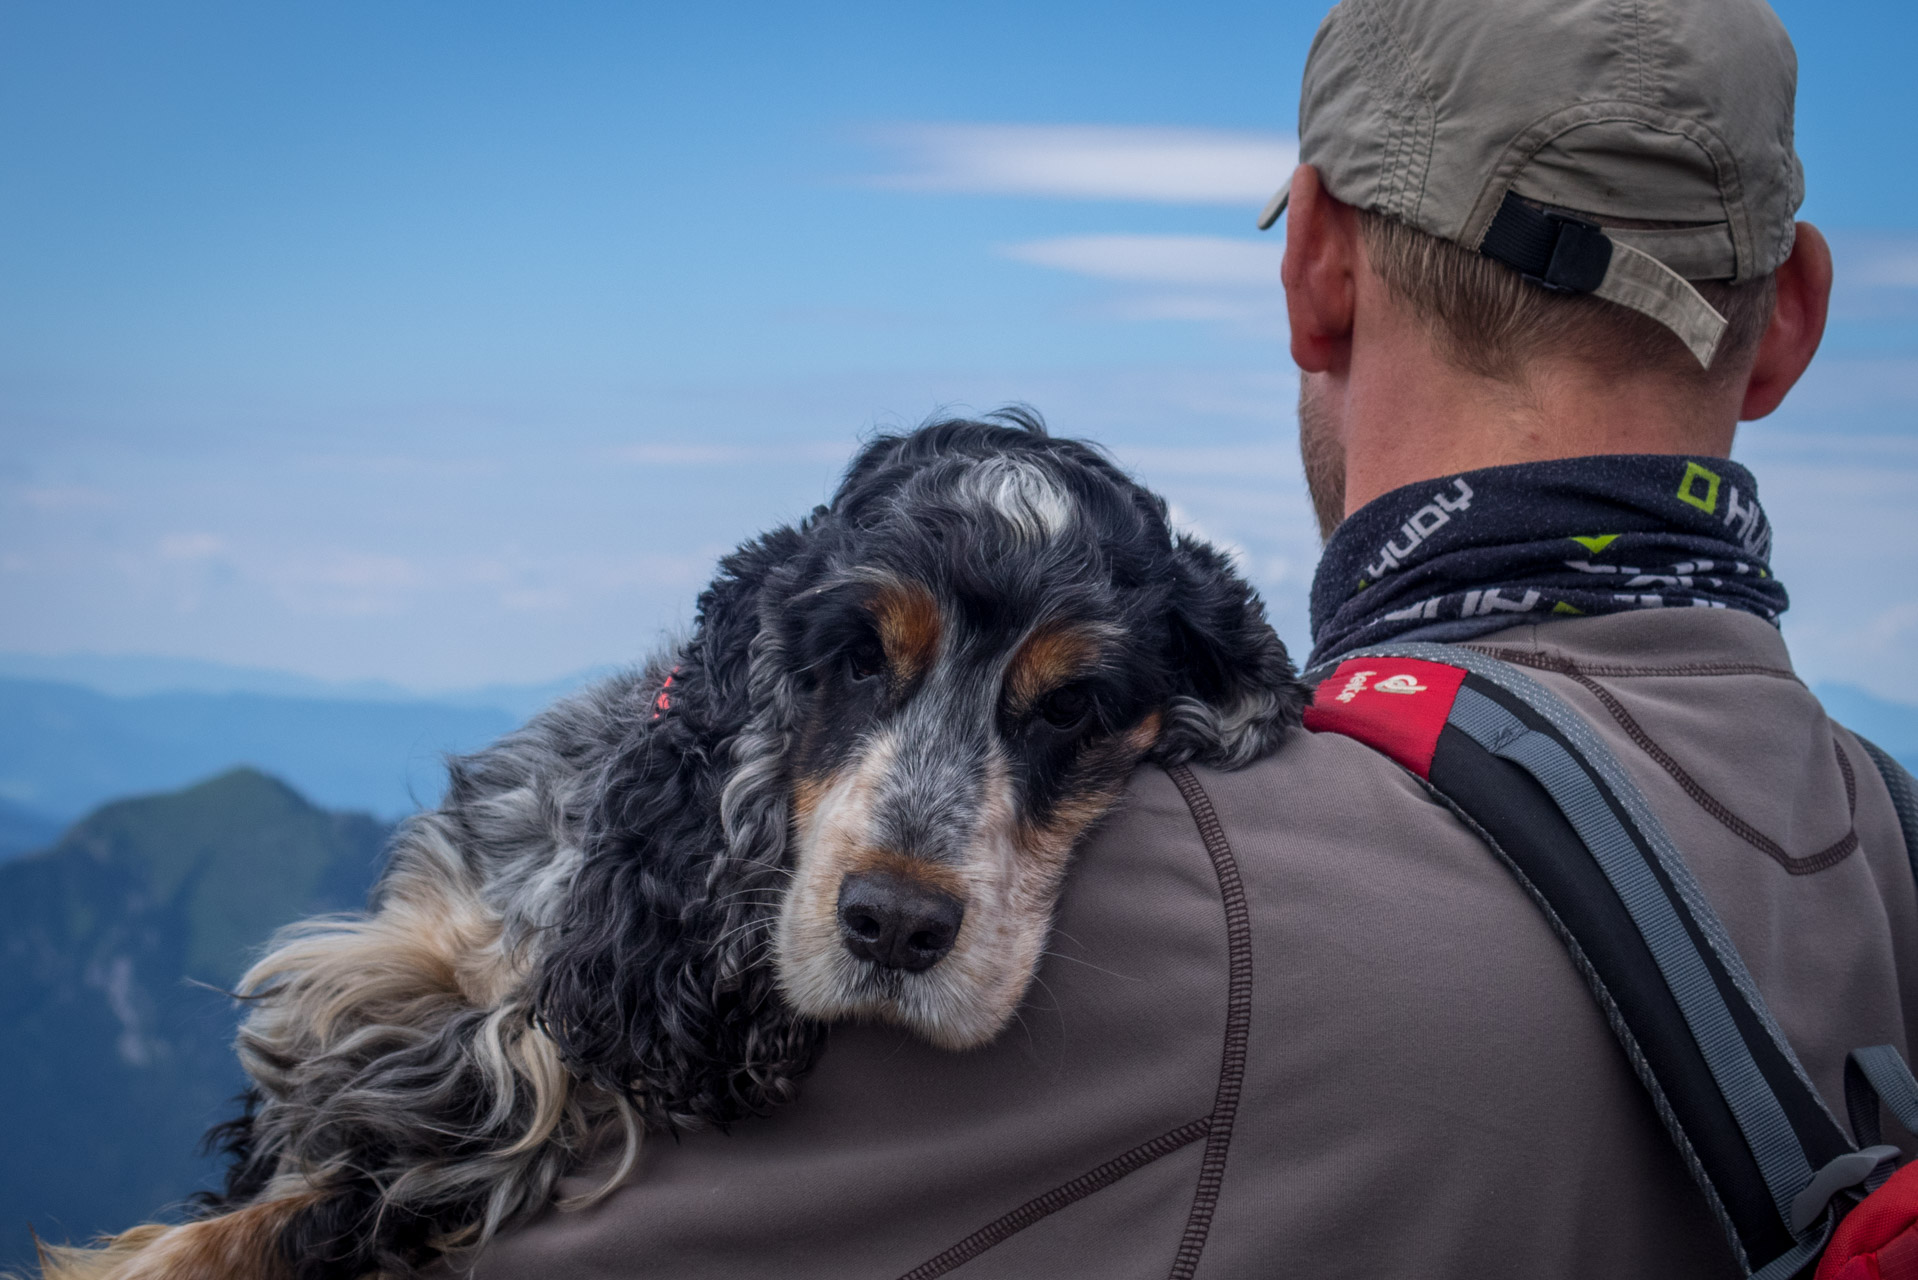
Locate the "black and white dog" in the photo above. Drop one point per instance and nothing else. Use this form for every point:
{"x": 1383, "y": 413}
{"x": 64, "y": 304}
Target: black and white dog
{"x": 851, "y": 793}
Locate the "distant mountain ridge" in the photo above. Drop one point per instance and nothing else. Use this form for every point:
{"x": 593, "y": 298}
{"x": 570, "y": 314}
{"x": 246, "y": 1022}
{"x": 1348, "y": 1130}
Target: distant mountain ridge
{"x": 138, "y": 675}
{"x": 116, "y": 1060}
{"x": 78, "y": 730}
{"x": 65, "y": 749}
{"x": 23, "y": 830}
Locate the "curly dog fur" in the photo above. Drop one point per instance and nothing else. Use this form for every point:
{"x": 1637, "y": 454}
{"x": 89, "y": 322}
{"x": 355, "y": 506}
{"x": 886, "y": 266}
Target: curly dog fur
{"x": 851, "y": 793}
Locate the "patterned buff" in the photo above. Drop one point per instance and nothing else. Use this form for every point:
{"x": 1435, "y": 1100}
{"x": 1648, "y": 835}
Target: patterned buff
{"x": 1478, "y": 552}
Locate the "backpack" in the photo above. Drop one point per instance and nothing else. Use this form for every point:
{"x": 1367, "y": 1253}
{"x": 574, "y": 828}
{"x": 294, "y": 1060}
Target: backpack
{"x": 1788, "y": 1185}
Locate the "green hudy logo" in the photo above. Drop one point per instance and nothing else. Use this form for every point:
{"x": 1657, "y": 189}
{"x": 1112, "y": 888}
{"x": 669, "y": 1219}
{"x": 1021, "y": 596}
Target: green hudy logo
{"x": 1688, "y": 488}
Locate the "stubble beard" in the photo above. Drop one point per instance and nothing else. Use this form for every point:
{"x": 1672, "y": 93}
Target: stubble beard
{"x": 1324, "y": 457}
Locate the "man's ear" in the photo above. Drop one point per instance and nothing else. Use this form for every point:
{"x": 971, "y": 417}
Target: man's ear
{"x": 1235, "y": 692}
{"x": 1322, "y": 257}
{"x": 1797, "y": 324}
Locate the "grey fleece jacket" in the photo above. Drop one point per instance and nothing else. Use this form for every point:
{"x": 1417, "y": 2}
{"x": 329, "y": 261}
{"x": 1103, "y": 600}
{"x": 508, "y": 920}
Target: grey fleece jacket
{"x": 1423, "y": 1086}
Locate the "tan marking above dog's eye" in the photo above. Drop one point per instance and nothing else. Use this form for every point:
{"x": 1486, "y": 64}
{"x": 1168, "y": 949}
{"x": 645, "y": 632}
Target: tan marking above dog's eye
{"x": 1046, "y": 661}
{"x": 909, "y": 626}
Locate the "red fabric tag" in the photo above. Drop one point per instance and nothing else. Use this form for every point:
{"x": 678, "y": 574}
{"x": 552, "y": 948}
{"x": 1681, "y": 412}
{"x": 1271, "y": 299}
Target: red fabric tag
{"x": 1393, "y": 705}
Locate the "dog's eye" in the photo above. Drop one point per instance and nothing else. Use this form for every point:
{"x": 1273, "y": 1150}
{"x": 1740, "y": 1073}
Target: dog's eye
{"x": 1065, "y": 709}
{"x": 866, "y": 660}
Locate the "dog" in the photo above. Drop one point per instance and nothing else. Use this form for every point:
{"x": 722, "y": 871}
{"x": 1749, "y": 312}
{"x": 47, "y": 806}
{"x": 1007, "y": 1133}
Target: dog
{"x": 851, "y": 793}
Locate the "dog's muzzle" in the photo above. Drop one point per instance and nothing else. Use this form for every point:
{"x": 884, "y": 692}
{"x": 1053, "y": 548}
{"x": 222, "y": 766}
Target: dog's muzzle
{"x": 896, "y": 923}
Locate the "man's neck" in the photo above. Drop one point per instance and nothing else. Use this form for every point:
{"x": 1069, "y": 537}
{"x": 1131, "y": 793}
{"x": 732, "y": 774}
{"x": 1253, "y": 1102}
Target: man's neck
{"x": 1406, "y": 414}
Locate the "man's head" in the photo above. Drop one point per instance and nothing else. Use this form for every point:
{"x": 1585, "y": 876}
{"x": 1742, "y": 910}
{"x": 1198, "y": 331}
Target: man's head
{"x": 1542, "y": 228}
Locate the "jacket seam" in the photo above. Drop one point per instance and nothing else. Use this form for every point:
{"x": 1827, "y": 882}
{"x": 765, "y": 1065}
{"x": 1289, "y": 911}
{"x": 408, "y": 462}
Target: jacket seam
{"x": 1808, "y": 865}
{"x": 1238, "y": 1021}
{"x": 1215, "y": 1127}
{"x": 1004, "y": 1228}
{"x": 1551, "y": 662}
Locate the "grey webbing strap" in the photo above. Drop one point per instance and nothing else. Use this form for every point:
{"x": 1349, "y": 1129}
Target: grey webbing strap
{"x": 1754, "y": 1104}
{"x": 1879, "y": 1075}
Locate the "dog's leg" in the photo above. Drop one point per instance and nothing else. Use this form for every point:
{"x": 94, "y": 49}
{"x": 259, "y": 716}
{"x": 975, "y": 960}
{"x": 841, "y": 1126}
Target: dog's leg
{"x": 401, "y": 1072}
{"x": 243, "y": 1245}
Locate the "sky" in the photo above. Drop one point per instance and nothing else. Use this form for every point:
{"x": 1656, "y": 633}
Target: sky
{"x": 450, "y": 344}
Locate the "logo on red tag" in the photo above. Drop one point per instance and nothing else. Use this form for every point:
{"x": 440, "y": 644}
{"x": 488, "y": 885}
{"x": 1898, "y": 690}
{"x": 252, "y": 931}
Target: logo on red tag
{"x": 1394, "y": 705}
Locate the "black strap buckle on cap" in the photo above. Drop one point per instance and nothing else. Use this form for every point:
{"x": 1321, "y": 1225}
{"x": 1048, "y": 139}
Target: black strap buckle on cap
{"x": 1558, "y": 252}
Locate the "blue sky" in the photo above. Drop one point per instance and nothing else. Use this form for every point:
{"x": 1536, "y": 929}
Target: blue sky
{"x": 449, "y": 344}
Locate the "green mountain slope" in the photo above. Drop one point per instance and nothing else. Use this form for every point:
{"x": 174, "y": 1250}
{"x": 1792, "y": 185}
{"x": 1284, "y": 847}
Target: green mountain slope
{"x": 114, "y": 1060}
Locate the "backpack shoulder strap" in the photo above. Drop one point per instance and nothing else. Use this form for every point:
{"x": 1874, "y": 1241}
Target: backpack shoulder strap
{"x": 1904, "y": 794}
{"x": 1517, "y": 764}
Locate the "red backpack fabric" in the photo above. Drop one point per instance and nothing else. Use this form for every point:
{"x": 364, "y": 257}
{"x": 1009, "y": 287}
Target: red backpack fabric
{"x": 1878, "y": 1240}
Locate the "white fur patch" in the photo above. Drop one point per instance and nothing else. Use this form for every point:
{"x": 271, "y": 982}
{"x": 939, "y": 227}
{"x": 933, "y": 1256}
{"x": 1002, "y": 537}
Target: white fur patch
{"x": 1023, "y": 494}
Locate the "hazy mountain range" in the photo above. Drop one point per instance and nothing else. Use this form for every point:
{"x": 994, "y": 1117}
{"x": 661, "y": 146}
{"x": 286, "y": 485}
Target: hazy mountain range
{"x": 65, "y": 749}
{"x": 116, "y": 1061}
{"x": 78, "y": 731}
{"x": 133, "y": 675}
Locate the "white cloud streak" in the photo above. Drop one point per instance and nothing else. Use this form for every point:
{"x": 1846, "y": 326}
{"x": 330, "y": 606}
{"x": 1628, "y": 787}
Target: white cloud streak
{"x": 1875, "y": 260}
{"x": 1152, "y": 259}
{"x": 1093, "y": 162}
{"x": 1207, "y": 279}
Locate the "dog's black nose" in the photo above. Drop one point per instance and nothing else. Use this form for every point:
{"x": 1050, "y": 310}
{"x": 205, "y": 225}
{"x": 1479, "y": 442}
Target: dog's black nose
{"x": 895, "y": 923}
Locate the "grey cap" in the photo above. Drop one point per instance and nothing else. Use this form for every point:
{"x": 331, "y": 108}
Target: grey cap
{"x": 1464, "y": 117}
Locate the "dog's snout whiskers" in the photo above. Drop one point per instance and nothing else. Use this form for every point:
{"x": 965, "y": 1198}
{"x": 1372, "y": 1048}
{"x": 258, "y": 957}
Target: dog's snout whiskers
{"x": 896, "y": 923}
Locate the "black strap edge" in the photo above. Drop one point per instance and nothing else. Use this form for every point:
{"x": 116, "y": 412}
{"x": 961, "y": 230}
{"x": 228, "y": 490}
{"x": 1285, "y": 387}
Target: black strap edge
{"x": 1536, "y": 837}
{"x": 1621, "y": 1029}
{"x": 1759, "y": 1130}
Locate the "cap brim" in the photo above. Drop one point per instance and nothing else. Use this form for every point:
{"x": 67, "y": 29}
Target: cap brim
{"x": 1275, "y": 206}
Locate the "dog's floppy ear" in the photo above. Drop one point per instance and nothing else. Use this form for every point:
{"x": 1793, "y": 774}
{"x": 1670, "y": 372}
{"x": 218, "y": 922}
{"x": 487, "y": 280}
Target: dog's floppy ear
{"x": 649, "y": 982}
{"x": 1235, "y": 692}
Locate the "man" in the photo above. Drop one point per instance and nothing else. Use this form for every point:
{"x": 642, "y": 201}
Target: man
{"x": 1328, "y": 1034}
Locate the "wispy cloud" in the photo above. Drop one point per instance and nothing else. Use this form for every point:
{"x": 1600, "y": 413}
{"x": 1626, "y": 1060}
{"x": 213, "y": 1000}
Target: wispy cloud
{"x": 66, "y": 498}
{"x": 1092, "y": 162}
{"x": 1876, "y": 281}
{"x": 1209, "y": 279}
{"x": 1876, "y": 260}
{"x": 1184, "y": 260}
{"x": 191, "y": 546}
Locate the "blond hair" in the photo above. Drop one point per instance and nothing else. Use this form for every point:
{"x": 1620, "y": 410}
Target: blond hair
{"x": 1490, "y": 320}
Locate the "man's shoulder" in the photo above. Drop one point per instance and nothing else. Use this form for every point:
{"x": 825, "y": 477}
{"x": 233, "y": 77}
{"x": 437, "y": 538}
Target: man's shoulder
{"x": 1325, "y": 831}
{"x": 1314, "y": 786}
{"x": 1406, "y": 996}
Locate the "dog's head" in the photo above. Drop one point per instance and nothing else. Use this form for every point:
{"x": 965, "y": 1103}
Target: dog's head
{"x": 969, "y": 651}
{"x": 892, "y": 723}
